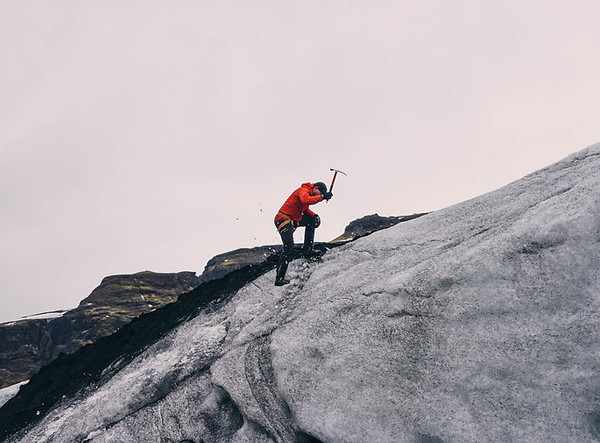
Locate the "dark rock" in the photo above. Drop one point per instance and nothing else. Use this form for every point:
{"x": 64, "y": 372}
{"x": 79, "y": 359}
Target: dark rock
{"x": 222, "y": 264}
{"x": 29, "y": 344}
{"x": 25, "y": 346}
{"x": 372, "y": 223}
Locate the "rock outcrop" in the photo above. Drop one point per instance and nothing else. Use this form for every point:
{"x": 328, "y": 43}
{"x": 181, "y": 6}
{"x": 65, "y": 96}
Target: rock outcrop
{"x": 372, "y": 223}
{"x": 25, "y": 346}
{"x": 29, "y": 344}
{"x": 222, "y": 264}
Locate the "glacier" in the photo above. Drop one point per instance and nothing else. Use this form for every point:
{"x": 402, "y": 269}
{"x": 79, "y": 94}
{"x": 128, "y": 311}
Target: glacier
{"x": 478, "y": 322}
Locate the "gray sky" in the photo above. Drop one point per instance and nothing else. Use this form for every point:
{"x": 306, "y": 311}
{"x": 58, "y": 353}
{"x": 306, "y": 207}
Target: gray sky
{"x": 147, "y": 135}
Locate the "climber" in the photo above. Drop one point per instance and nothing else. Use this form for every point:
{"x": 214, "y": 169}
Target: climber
{"x": 295, "y": 212}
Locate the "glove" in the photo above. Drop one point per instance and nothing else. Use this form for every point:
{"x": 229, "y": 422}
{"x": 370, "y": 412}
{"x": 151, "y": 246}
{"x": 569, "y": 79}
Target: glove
{"x": 327, "y": 195}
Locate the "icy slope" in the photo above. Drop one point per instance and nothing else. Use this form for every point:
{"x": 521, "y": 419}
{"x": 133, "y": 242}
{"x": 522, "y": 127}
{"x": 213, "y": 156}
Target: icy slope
{"x": 475, "y": 323}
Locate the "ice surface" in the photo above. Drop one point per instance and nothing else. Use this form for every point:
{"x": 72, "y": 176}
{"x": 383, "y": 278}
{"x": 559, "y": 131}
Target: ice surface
{"x": 9, "y": 392}
{"x": 474, "y": 323}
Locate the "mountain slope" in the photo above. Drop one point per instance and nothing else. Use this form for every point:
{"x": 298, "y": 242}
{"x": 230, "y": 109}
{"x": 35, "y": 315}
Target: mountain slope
{"x": 474, "y": 323}
{"x": 32, "y": 342}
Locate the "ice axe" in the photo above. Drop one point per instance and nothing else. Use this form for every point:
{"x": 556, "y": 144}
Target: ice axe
{"x": 334, "y": 176}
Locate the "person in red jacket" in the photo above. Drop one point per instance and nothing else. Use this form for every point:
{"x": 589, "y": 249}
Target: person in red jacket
{"x": 295, "y": 212}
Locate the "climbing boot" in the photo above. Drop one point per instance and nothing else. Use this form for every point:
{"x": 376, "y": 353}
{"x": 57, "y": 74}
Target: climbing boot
{"x": 281, "y": 281}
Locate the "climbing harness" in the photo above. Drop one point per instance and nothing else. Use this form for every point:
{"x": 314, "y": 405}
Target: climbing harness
{"x": 287, "y": 220}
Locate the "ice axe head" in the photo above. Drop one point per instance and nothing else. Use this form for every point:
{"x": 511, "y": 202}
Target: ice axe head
{"x": 335, "y": 173}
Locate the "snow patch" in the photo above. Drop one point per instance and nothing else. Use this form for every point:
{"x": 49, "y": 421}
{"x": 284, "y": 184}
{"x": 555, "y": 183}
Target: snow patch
{"x": 9, "y": 392}
{"x": 41, "y": 316}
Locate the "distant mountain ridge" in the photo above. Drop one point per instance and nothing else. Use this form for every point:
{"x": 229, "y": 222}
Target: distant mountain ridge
{"x": 28, "y": 344}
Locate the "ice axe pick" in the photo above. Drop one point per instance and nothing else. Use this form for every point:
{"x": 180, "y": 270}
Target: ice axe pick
{"x": 335, "y": 171}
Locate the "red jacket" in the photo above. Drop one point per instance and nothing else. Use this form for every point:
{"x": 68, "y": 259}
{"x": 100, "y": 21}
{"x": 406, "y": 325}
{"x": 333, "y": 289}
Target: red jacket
{"x": 297, "y": 203}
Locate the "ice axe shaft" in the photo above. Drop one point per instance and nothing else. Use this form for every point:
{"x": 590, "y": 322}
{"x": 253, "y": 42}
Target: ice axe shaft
{"x": 335, "y": 171}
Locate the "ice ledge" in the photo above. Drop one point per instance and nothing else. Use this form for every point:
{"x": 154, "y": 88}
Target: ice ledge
{"x": 584, "y": 153}
{"x": 567, "y": 162}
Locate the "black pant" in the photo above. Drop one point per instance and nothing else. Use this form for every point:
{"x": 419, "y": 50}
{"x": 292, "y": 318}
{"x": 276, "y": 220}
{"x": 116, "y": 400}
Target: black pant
{"x": 287, "y": 237}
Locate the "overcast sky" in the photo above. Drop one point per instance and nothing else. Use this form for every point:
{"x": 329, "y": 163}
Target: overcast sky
{"x": 153, "y": 135}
